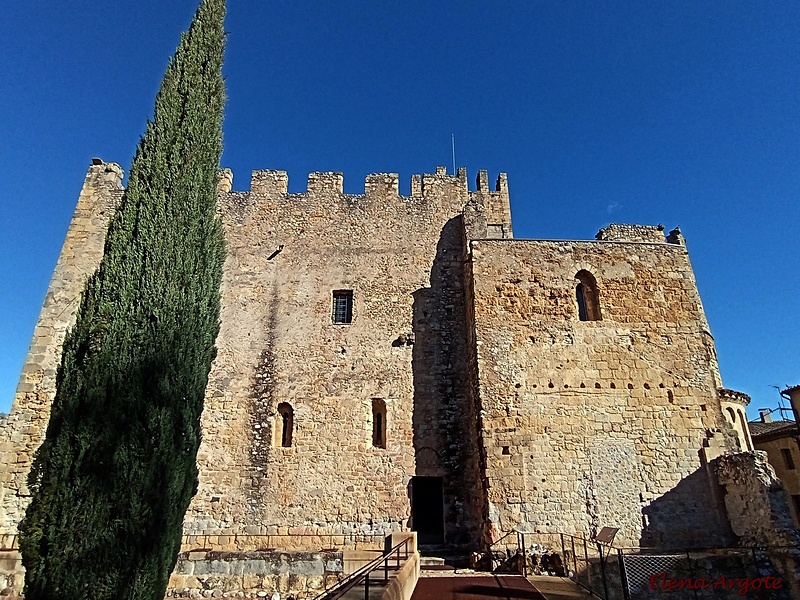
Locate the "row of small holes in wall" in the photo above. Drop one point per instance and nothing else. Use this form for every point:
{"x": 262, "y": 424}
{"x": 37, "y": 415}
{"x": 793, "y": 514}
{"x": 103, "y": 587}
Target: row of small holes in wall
{"x": 597, "y": 385}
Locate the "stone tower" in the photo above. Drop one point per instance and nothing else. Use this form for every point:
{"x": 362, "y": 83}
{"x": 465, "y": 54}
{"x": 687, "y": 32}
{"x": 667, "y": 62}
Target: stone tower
{"x": 393, "y": 362}
{"x": 80, "y": 255}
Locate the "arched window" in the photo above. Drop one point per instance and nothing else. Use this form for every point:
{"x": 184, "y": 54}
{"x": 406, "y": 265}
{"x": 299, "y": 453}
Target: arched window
{"x": 587, "y": 297}
{"x": 378, "y": 423}
{"x": 285, "y": 424}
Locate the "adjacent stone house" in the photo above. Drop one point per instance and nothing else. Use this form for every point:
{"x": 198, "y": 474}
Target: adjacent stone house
{"x": 781, "y": 441}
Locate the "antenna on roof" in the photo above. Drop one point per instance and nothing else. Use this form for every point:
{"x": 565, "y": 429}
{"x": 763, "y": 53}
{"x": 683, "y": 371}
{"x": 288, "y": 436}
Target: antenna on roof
{"x": 453, "y": 140}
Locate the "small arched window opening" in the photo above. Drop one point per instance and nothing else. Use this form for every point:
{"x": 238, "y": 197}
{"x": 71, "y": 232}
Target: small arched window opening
{"x": 587, "y": 297}
{"x": 378, "y": 423}
{"x": 285, "y": 424}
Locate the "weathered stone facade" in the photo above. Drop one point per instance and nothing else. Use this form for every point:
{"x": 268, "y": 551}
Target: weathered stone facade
{"x": 584, "y": 420}
{"x": 758, "y": 507}
{"x": 516, "y": 384}
{"x": 245, "y": 574}
{"x": 23, "y": 431}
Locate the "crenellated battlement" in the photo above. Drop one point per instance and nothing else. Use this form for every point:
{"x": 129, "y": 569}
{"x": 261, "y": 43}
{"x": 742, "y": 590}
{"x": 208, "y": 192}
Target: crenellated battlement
{"x": 496, "y": 206}
{"x": 482, "y": 182}
{"x": 437, "y": 191}
{"x": 271, "y": 182}
{"x": 382, "y": 185}
{"x": 325, "y": 183}
{"x": 225, "y": 183}
{"x": 429, "y": 192}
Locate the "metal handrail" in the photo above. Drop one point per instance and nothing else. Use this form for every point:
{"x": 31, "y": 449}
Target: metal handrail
{"x": 14, "y": 545}
{"x": 352, "y": 580}
{"x": 685, "y": 549}
{"x": 497, "y": 541}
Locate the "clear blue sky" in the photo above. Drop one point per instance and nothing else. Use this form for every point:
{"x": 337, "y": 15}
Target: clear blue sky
{"x": 681, "y": 113}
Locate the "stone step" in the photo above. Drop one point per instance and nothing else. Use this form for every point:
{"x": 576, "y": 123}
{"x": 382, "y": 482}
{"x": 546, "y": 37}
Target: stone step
{"x": 431, "y": 560}
{"x": 443, "y": 562}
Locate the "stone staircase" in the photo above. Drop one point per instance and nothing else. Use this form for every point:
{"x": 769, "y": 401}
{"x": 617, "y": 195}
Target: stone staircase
{"x": 444, "y": 559}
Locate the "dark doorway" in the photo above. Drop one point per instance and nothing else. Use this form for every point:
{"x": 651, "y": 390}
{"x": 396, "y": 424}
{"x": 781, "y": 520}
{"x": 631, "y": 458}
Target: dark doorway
{"x": 427, "y": 509}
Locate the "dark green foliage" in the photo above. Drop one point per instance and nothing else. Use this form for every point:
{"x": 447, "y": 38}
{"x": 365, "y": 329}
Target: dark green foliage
{"x": 116, "y": 472}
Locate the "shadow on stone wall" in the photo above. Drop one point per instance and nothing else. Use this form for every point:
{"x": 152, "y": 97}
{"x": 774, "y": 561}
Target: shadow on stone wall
{"x": 690, "y": 515}
{"x": 263, "y": 407}
{"x": 444, "y": 438}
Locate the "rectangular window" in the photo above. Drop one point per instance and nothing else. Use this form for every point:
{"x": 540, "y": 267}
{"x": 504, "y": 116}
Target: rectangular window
{"x": 343, "y": 306}
{"x": 787, "y": 458}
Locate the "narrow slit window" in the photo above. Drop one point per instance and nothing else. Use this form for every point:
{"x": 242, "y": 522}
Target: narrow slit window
{"x": 377, "y": 436}
{"x": 582, "y": 315}
{"x": 796, "y": 499}
{"x": 285, "y": 424}
{"x": 788, "y": 460}
{"x": 343, "y": 306}
{"x": 378, "y": 423}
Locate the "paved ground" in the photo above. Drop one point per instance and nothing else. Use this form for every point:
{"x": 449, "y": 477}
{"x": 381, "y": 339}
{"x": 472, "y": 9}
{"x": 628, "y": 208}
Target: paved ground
{"x": 558, "y": 588}
{"x": 433, "y": 585}
{"x": 506, "y": 587}
{"x": 500, "y": 587}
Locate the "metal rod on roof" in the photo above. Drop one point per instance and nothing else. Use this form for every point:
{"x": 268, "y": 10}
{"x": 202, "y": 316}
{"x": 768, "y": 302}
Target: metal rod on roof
{"x": 453, "y": 140}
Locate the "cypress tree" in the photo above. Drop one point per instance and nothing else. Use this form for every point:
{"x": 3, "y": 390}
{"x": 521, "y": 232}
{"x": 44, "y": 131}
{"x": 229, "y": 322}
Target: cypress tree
{"x": 116, "y": 472}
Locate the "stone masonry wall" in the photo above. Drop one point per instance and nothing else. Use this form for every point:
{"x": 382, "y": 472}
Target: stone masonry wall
{"x": 533, "y": 419}
{"x": 624, "y": 232}
{"x": 597, "y": 423}
{"x": 287, "y": 253}
{"x": 254, "y": 574}
{"x": 403, "y": 259}
{"x": 24, "y": 429}
{"x": 756, "y": 500}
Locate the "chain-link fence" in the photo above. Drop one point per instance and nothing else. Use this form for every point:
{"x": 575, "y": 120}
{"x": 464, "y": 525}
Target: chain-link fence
{"x": 613, "y": 573}
{"x": 724, "y": 573}
{"x": 584, "y": 561}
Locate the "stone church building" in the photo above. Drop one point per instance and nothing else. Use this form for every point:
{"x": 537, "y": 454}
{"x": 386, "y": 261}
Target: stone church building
{"x": 390, "y": 363}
